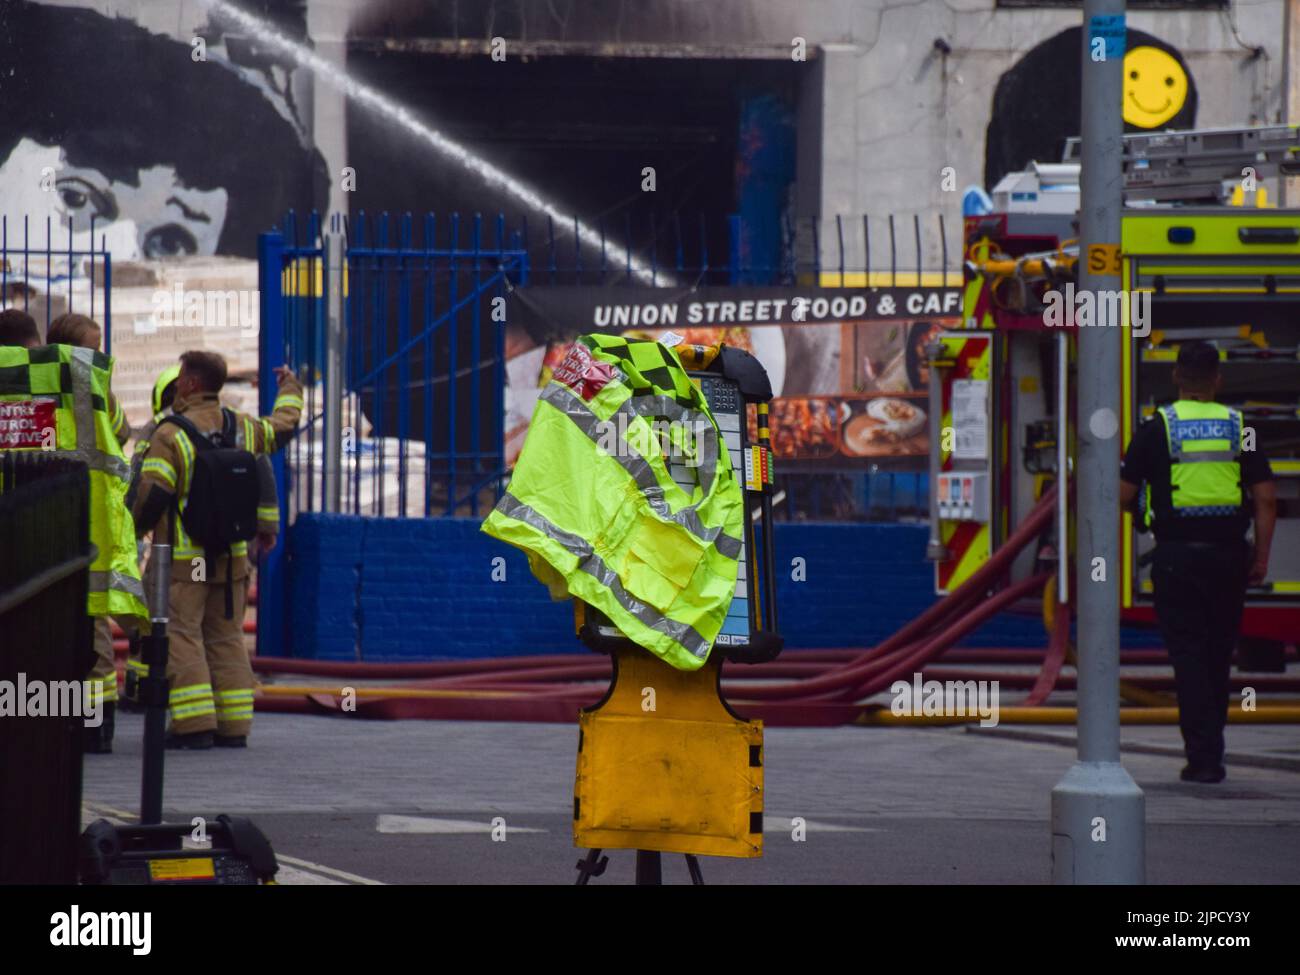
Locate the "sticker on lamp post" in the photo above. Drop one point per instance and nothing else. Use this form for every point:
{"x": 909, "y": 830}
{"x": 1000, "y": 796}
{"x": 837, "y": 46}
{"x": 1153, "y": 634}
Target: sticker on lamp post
{"x": 1106, "y": 37}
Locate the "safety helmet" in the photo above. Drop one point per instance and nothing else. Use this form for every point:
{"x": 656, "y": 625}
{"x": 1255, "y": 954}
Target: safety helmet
{"x": 165, "y": 379}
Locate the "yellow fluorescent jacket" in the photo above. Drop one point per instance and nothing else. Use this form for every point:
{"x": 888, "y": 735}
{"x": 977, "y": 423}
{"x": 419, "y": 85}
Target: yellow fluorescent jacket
{"x": 1204, "y": 442}
{"x": 68, "y": 385}
{"x": 610, "y": 526}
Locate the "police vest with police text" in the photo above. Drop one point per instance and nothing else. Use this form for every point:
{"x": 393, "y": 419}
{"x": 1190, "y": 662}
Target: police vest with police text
{"x": 1205, "y": 442}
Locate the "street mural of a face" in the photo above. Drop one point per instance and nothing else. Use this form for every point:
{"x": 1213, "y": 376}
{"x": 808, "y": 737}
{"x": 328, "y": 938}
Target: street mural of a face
{"x": 179, "y": 157}
{"x": 167, "y": 218}
{"x": 1037, "y": 101}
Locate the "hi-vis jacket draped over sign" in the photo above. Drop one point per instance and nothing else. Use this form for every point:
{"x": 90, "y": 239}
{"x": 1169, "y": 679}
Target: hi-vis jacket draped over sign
{"x": 610, "y": 526}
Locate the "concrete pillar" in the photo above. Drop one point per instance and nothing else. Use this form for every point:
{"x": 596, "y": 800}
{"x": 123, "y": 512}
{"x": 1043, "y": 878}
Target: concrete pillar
{"x": 808, "y": 157}
{"x": 1290, "y": 185}
{"x": 840, "y": 163}
{"x": 327, "y": 25}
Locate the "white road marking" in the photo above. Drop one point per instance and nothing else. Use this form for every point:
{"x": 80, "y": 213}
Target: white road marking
{"x": 329, "y": 871}
{"x": 288, "y": 876}
{"x": 423, "y": 824}
{"x": 783, "y": 824}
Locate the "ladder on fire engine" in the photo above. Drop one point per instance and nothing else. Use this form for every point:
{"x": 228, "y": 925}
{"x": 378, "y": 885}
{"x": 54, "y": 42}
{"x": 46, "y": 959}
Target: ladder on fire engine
{"x": 1192, "y": 166}
{"x": 1161, "y": 169}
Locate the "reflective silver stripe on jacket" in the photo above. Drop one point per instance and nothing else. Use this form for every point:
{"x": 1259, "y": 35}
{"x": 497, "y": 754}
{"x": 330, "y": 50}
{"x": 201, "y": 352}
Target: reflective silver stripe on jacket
{"x": 577, "y": 410}
{"x": 592, "y": 564}
{"x": 1205, "y": 456}
{"x": 656, "y": 406}
{"x": 83, "y": 413}
{"x": 116, "y": 581}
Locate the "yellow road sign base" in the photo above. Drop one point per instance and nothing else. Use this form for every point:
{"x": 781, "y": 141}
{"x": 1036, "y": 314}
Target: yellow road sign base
{"x": 664, "y": 765}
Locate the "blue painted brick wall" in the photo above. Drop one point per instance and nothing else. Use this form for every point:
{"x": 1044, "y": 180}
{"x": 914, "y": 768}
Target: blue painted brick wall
{"x": 416, "y": 589}
{"x": 428, "y": 592}
{"x": 389, "y": 589}
{"x": 324, "y": 570}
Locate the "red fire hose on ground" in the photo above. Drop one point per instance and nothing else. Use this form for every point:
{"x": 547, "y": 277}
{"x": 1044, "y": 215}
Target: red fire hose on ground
{"x": 816, "y": 689}
{"x": 803, "y": 688}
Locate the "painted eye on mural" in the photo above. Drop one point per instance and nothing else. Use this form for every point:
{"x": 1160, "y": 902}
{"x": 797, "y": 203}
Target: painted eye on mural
{"x": 79, "y": 196}
{"x": 169, "y": 240}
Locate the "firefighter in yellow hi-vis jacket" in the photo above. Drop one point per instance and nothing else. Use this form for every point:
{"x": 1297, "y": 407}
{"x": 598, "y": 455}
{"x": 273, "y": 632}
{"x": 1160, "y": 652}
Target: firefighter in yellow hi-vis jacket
{"x": 268, "y": 513}
{"x": 199, "y": 490}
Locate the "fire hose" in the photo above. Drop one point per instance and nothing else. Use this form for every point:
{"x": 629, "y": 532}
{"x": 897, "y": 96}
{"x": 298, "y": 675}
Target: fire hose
{"x": 806, "y": 688}
{"x": 828, "y": 696}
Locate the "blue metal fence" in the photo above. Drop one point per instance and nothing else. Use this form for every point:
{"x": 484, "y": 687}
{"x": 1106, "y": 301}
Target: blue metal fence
{"x": 416, "y": 321}
{"x": 423, "y": 360}
{"x": 423, "y": 368}
{"x": 46, "y": 279}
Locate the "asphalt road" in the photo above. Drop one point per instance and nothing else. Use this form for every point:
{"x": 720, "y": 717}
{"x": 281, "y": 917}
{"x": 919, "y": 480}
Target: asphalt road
{"x": 355, "y": 801}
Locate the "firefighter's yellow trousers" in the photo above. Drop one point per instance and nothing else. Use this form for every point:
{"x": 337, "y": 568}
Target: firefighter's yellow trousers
{"x": 210, "y": 679}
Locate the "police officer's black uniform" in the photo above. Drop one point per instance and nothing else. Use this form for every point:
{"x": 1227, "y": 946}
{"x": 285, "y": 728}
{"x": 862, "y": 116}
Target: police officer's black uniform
{"x": 1199, "y": 574}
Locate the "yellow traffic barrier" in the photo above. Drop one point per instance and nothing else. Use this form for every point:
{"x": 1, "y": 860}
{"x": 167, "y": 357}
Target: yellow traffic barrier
{"x": 664, "y": 765}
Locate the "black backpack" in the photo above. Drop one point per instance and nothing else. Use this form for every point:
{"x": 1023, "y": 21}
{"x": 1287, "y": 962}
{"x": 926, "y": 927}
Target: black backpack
{"x": 224, "y": 491}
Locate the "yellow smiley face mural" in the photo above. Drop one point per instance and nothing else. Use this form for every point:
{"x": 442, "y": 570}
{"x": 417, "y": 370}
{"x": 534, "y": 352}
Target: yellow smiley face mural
{"x": 1155, "y": 87}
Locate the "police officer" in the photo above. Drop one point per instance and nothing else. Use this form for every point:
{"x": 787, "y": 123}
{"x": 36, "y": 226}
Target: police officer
{"x": 1203, "y": 481}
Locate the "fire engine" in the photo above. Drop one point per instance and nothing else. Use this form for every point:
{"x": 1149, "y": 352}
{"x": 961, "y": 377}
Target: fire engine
{"x": 1203, "y": 255}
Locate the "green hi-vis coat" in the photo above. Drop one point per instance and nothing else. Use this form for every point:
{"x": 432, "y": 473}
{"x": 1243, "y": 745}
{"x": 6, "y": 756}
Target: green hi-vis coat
{"x": 593, "y": 503}
{"x": 56, "y": 397}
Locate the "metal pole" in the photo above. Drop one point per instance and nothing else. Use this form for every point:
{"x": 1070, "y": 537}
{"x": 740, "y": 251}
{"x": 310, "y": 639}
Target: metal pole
{"x": 1098, "y": 811}
{"x": 1288, "y": 185}
{"x": 153, "y": 688}
{"x": 935, "y": 550}
{"x": 1062, "y": 471}
{"x": 769, "y": 528}
{"x": 649, "y": 868}
{"x": 332, "y": 448}
{"x": 272, "y": 634}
